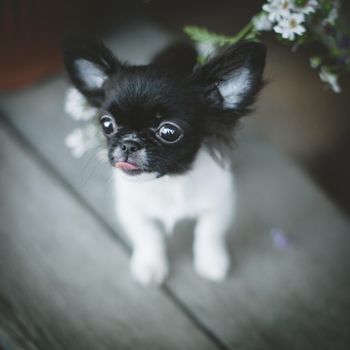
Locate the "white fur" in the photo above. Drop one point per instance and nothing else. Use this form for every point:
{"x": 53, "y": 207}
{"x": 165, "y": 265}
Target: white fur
{"x": 86, "y": 69}
{"x": 236, "y": 86}
{"x": 205, "y": 194}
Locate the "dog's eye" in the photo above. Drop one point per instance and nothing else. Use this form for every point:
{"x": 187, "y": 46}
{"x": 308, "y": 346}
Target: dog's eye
{"x": 108, "y": 125}
{"x": 169, "y": 132}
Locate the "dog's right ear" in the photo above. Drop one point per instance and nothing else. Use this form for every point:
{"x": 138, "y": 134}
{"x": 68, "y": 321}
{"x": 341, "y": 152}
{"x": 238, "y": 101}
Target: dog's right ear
{"x": 89, "y": 64}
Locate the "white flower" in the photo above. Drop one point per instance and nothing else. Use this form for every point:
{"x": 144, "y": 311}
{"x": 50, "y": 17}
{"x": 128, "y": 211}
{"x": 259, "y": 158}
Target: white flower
{"x": 330, "y": 78}
{"x": 75, "y": 142}
{"x": 278, "y": 9}
{"x": 288, "y": 27}
{"x": 78, "y": 107}
{"x": 262, "y": 23}
{"x": 309, "y": 7}
{"x": 81, "y": 140}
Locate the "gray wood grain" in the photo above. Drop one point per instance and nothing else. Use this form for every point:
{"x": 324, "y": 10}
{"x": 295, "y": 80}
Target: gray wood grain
{"x": 64, "y": 283}
{"x": 294, "y": 298}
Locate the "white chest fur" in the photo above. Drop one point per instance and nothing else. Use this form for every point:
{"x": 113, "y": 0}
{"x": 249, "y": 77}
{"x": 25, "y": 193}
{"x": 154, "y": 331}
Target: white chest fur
{"x": 170, "y": 198}
{"x": 205, "y": 193}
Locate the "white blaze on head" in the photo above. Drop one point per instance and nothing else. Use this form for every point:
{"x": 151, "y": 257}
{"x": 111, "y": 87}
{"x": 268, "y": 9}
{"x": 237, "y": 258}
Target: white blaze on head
{"x": 90, "y": 74}
{"x": 235, "y": 87}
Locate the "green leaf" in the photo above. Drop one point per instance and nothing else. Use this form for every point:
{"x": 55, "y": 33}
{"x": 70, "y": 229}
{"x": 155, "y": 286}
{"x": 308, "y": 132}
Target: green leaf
{"x": 300, "y": 2}
{"x": 315, "y": 61}
{"x": 203, "y": 35}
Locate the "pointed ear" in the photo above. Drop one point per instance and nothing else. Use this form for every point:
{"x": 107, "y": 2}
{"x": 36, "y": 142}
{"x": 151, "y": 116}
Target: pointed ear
{"x": 234, "y": 75}
{"x": 89, "y": 64}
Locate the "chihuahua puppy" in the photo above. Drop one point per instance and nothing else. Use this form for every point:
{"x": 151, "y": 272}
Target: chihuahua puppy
{"x": 169, "y": 130}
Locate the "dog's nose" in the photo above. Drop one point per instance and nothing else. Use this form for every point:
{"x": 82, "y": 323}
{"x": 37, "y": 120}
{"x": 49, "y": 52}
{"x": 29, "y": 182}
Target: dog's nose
{"x": 130, "y": 146}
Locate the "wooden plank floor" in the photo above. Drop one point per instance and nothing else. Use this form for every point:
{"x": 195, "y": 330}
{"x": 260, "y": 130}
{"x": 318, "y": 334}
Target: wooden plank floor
{"x": 64, "y": 280}
{"x": 66, "y": 277}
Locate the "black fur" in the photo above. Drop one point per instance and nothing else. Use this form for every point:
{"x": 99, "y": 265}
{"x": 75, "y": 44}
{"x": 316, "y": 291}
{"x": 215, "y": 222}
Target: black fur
{"x": 93, "y": 50}
{"x": 172, "y": 88}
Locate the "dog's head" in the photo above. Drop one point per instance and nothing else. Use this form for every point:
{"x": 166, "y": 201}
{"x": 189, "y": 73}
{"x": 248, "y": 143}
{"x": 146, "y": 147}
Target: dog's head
{"x": 156, "y": 118}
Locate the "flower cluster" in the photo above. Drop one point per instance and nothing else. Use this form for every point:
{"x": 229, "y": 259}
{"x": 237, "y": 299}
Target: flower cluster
{"x": 287, "y": 18}
{"x": 88, "y": 136}
{"x": 295, "y": 23}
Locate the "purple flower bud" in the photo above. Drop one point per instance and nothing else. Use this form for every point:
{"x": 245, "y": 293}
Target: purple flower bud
{"x": 280, "y": 239}
{"x": 344, "y": 42}
{"x": 343, "y": 60}
{"x": 329, "y": 29}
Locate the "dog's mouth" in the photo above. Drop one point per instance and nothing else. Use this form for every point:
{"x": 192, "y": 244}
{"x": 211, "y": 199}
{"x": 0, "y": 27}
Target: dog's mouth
{"x": 128, "y": 168}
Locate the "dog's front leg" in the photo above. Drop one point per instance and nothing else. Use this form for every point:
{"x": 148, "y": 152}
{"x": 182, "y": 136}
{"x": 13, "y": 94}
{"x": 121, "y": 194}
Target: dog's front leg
{"x": 211, "y": 257}
{"x": 149, "y": 263}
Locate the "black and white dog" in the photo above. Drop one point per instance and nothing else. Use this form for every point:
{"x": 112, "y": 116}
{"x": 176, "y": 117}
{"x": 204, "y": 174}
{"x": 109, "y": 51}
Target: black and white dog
{"x": 169, "y": 130}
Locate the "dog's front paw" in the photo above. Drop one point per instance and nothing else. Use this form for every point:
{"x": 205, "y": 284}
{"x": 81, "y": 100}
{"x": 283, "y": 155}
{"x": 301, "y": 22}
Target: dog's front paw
{"x": 212, "y": 263}
{"x": 149, "y": 269}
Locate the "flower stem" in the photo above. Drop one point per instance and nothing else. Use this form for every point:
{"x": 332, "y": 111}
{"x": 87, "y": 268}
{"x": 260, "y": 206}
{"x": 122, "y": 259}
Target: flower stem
{"x": 241, "y": 34}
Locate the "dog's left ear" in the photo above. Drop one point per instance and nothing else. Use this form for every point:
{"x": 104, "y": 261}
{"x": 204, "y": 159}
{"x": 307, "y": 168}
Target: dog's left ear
{"x": 89, "y": 64}
{"x": 233, "y": 76}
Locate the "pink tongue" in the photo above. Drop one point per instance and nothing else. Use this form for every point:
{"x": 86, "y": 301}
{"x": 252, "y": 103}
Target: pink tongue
{"x": 125, "y": 166}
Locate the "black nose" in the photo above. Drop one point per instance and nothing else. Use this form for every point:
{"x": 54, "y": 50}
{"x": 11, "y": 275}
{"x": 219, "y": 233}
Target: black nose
{"x": 130, "y": 146}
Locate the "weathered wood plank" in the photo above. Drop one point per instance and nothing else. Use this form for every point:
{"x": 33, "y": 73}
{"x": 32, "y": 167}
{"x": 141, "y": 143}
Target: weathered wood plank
{"x": 293, "y": 298}
{"x": 267, "y": 286}
{"x": 64, "y": 283}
